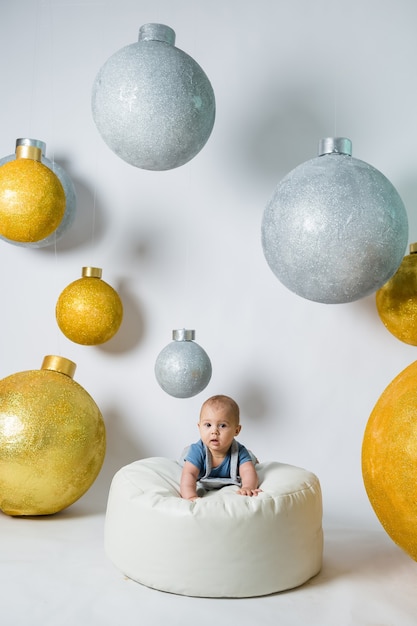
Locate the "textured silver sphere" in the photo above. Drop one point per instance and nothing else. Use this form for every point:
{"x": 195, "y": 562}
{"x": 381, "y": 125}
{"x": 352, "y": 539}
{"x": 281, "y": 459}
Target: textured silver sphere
{"x": 69, "y": 190}
{"x": 183, "y": 368}
{"x": 152, "y": 103}
{"x": 335, "y": 229}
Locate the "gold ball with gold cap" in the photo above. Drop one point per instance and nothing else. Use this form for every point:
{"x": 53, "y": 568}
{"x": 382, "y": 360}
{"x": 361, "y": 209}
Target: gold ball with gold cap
{"x": 32, "y": 198}
{"x": 396, "y": 301}
{"x": 52, "y": 439}
{"x": 389, "y": 459}
{"x": 89, "y": 311}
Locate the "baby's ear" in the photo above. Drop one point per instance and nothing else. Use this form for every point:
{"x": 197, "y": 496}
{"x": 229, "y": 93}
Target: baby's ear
{"x": 238, "y": 429}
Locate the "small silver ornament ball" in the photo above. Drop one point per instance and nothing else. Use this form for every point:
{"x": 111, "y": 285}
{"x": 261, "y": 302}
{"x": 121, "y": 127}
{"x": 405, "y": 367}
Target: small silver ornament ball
{"x": 152, "y": 103}
{"x": 335, "y": 229}
{"x": 69, "y": 190}
{"x": 183, "y": 368}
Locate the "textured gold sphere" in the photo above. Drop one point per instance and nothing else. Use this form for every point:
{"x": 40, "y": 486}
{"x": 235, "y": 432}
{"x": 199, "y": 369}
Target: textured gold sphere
{"x": 52, "y": 441}
{"x": 32, "y": 200}
{"x": 89, "y": 311}
{"x": 396, "y": 301}
{"x": 389, "y": 459}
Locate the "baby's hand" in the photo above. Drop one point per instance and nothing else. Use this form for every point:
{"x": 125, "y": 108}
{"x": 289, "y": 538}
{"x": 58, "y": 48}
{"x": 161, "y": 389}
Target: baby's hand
{"x": 248, "y": 492}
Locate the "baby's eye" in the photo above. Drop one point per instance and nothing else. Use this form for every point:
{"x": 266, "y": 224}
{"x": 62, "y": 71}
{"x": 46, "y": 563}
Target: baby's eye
{"x": 222, "y": 425}
{"x": 207, "y": 425}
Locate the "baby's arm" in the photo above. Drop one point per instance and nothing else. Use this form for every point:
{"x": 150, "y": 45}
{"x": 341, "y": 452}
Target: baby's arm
{"x": 188, "y": 484}
{"x": 250, "y": 480}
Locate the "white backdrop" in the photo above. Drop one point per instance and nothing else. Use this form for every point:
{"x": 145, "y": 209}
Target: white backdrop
{"x": 183, "y": 248}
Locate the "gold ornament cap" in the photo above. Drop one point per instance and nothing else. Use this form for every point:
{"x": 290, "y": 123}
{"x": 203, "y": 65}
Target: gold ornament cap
{"x": 35, "y": 143}
{"x": 91, "y": 272}
{"x": 413, "y": 248}
{"x": 28, "y": 152}
{"x": 59, "y": 364}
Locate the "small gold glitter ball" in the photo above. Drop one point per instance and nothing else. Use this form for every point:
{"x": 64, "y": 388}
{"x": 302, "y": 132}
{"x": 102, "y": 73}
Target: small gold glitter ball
{"x": 52, "y": 439}
{"x": 32, "y": 200}
{"x": 89, "y": 311}
{"x": 389, "y": 460}
{"x": 396, "y": 301}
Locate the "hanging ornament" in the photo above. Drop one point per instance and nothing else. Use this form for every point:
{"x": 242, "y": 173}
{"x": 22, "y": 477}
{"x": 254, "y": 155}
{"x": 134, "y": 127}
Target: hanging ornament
{"x": 89, "y": 311}
{"x": 52, "y": 439}
{"x": 152, "y": 103}
{"x": 396, "y": 301}
{"x": 69, "y": 190}
{"x": 335, "y": 229}
{"x": 183, "y": 368}
{"x": 32, "y": 198}
{"x": 389, "y": 459}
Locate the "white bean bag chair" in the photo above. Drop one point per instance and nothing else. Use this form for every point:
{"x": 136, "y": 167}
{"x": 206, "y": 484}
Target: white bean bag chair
{"x": 222, "y": 545}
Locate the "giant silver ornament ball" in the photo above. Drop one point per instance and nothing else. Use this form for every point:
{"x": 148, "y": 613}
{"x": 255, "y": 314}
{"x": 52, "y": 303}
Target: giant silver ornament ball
{"x": 152, "y": 103}
{"x": 69, "y": 190}
{"x": 335, "y": 229}
{"x": 183, "y": 368}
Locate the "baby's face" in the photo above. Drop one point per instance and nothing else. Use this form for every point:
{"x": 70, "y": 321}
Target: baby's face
{"x": 217, "y": 429}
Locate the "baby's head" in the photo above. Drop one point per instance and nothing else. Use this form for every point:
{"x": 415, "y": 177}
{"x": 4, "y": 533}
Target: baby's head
{"x": 219, "y": 423}
{"x": 222, "y": 404}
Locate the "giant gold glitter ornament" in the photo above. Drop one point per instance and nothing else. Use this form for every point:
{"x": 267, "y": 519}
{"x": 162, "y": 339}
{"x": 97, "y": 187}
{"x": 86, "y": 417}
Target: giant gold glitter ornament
{"x": 89, "y": 311}
{"x": 52, "y": 439}
{"x": 152, "y": 103}
{"x": 69, "y": 190}
{"x": 335, "y": 229}
{"x": 32, "y": 198}
{"x": 396, "y": 301}
{"x": 389, "y": 459}
{"x": 183, "y": 368}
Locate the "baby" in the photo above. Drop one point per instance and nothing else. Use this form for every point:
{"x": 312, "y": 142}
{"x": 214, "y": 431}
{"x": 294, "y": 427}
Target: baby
{"x": 217, "y": 459}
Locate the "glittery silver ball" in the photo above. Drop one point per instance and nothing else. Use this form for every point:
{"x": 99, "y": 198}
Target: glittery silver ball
{"x": 335, "y": 229}
{"x": 183, "y": 368}
{"x": 152, "y": 103}
{"x": 70, "y": 197}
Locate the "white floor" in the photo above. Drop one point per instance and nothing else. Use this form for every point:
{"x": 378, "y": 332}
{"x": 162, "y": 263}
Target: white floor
{"x": 53, "y": 572}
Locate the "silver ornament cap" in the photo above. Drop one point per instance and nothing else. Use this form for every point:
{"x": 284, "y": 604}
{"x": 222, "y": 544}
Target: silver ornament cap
{"x": 335, "y": 229}
{"x": 183, "y": 368}
{"x": 152, "y": 103}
